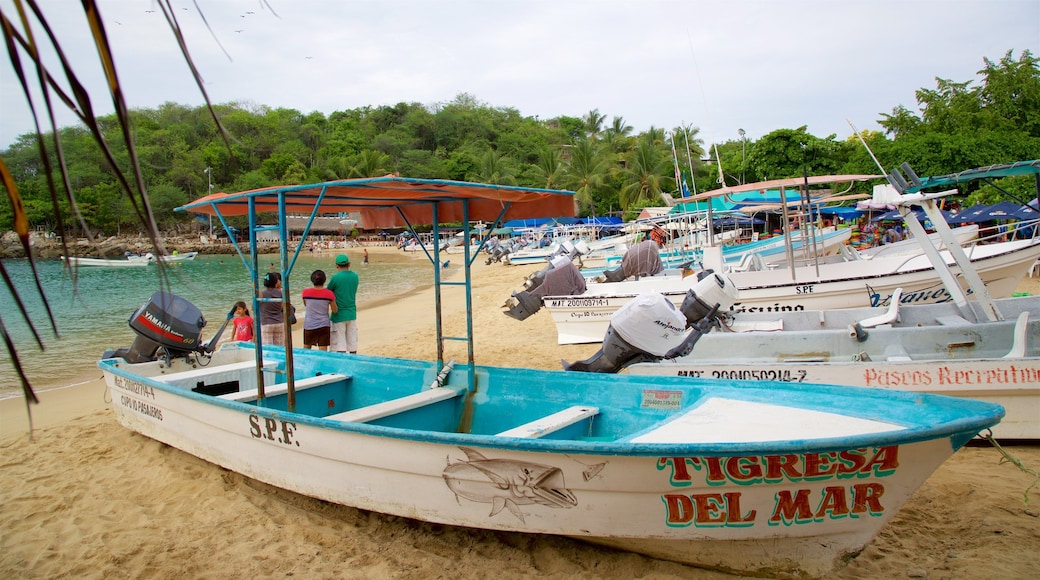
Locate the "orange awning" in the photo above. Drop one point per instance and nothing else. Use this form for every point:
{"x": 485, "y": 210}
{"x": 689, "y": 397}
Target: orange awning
{"x": 381, "y": 201}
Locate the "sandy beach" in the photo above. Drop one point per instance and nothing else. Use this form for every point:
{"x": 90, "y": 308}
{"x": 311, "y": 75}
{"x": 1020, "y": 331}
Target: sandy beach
{"x": 83, "y": 497}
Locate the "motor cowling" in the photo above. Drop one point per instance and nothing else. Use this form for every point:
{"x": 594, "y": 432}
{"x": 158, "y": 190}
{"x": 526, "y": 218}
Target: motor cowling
{"x": 166, "y": 322}
{"x": 650, "y": 327}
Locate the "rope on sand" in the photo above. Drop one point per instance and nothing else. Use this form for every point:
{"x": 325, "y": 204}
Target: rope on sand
{"x": 1008, "y": 458}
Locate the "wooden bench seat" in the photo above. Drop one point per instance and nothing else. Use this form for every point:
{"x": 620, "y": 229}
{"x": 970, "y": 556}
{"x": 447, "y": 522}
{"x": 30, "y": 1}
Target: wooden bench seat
{"x": 205, "y": 372}
{"x": 283, "y": 388}
{"x": 551, "y": 423}
{"x": 399, "y": 405}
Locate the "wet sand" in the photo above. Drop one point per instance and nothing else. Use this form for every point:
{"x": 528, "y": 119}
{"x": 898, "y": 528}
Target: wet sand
{"x": 86, "y": 498}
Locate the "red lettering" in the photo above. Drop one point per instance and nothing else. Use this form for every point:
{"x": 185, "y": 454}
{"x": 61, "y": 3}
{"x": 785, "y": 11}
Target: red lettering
{"x": 714, "y": 465}
{"x": 733, "y": 511}
{"x": 885, "y": 460}
{"x": 678, "y": 509}
{"x": 819, "y": 465}
{"x": 778, "y": 466}
{"x": 743, "y": 469}
{"x": 852, "y": 461}
{"x": 867, "y": 497}
{"x": 710, "y": 508}
{"x": 833, "y": 504}
{"x": 871, "y": 377}
{"x": 680, "y": 475}
{"x": 791, "y": 508}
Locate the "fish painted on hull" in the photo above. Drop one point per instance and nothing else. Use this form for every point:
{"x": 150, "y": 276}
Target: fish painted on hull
{"x": 509, "y": 484}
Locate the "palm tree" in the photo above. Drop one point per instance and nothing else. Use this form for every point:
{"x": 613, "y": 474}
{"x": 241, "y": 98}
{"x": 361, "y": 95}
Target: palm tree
{"x": 495, "y": 168}
{"x": 594, "y": 123}
{"x": 586, "y": 172}
{"x": 655, "y": 135}
{"x": 371, "y": 163}
{"x": 617, "y": 136}
{"x": 647, "y": 164}
{"x": 550, "y": 168}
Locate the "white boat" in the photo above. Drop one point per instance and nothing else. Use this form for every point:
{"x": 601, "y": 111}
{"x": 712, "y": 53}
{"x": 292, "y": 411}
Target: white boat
{"x": 858, "y": 283}
{"x": 928, "y": 276}
{"x": 178, "y": 257}
{"x": 929, "y": 348}
{"x": 124, "y": 263}
{"x": 986, "y": 350}
{"x": 538, "y": 255}
{"x": 770, "y": 479}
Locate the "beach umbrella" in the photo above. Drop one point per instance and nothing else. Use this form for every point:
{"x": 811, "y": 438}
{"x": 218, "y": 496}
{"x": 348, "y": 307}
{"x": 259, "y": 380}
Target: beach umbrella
{"x": 1027, "y": 213}
{"x": 1004, "y": 211}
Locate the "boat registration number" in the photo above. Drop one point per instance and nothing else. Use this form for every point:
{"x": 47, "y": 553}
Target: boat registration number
{"x": 782, "y": 375}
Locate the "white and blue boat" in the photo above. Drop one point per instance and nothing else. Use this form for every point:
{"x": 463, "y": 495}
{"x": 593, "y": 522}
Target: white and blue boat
{"x": 766, "y": 478}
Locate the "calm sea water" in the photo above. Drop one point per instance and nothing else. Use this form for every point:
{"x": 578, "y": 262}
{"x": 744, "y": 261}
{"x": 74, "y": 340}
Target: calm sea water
{"x": 92, "y": 315}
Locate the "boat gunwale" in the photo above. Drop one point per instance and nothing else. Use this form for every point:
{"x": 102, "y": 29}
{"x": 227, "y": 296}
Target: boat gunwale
{"x": 965, "y": 427}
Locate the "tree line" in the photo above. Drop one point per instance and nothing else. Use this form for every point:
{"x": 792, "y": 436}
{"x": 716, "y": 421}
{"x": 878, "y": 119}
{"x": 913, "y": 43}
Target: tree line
{"x": 612, "y": 169}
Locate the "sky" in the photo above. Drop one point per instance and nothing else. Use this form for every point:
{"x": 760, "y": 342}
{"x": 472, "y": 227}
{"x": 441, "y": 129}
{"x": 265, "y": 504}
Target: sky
{"x": 721, "y": 66}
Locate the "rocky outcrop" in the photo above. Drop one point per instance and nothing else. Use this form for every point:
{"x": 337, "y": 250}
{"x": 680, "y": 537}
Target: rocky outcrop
{"x": 115, "y": 246}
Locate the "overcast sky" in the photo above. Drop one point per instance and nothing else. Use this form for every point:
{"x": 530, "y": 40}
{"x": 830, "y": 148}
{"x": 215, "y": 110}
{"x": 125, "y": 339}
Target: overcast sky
{"x": 717, "y": 65}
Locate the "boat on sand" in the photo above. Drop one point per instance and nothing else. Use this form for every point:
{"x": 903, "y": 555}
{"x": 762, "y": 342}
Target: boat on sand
{"x": 778, "y": 479}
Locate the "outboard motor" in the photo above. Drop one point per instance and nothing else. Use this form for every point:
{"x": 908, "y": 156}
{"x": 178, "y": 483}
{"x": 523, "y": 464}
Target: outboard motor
{"x": 557, "y": 260}
{"x": 168, "y": 323}
{"x": 642, "y": 259}
{"x": 563, "y": 279}
{"x": 650, "y": 328}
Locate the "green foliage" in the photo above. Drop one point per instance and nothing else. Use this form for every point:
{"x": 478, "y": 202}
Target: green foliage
{"x": 958, "y": 125}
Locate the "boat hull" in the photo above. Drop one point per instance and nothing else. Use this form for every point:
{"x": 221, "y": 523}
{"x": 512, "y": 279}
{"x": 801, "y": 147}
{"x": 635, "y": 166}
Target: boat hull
{"x": 923, "y": 348}
{"x": 101, "y": 262}
{"x": 802, "y": 493}
{"x": 585, "y": 318}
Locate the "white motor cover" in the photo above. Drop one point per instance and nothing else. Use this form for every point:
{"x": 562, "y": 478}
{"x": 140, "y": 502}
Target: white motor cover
{"x": 711, "y": 293}
{"x": 650, "y": 323}
{"x": 560, "y": 261}
{"x": 582, "y": 247}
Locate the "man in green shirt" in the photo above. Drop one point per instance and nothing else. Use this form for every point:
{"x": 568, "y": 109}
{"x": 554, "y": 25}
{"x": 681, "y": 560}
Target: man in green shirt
{"x": 344, "y": 284}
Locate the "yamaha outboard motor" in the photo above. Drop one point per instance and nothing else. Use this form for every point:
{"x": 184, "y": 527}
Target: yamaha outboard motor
{"x": 649, "y": 327}
{"x": 170, "y": 324}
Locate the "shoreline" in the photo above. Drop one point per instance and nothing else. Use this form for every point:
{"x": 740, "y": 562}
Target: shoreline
{"x": 86, "y": 497}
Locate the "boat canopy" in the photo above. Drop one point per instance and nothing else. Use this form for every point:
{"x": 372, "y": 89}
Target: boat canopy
{"x": 390, "y": 201}
{"x": 790, "y": 182}
{"x": 382, "y": 202}
{"x": 990, "y": 172}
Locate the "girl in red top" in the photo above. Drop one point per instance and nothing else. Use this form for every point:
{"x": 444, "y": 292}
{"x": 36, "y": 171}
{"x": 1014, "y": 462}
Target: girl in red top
{"x": 243, "y": 322}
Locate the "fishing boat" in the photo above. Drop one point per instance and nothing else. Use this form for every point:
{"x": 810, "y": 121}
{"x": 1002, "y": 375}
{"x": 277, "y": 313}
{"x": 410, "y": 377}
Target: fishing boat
{"x": 932, "y": 274}
{"x": 774, "y": 478}
{"x": 178, "y": 257}
{"x": 584, "y": 318}
{"x": 980, "y": 349}
{"x": 928, "y": 348}
{"x": 127, "y": 262}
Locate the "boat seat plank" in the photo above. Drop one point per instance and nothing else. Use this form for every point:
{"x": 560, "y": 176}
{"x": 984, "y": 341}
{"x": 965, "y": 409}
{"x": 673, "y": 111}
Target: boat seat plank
{"x": 550, "y": 423}
{"x": 283, "y": 388}
{"x": 952, "y": 321}
{"x": 399, "y": 405}
{"x": 201, "y": 373}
